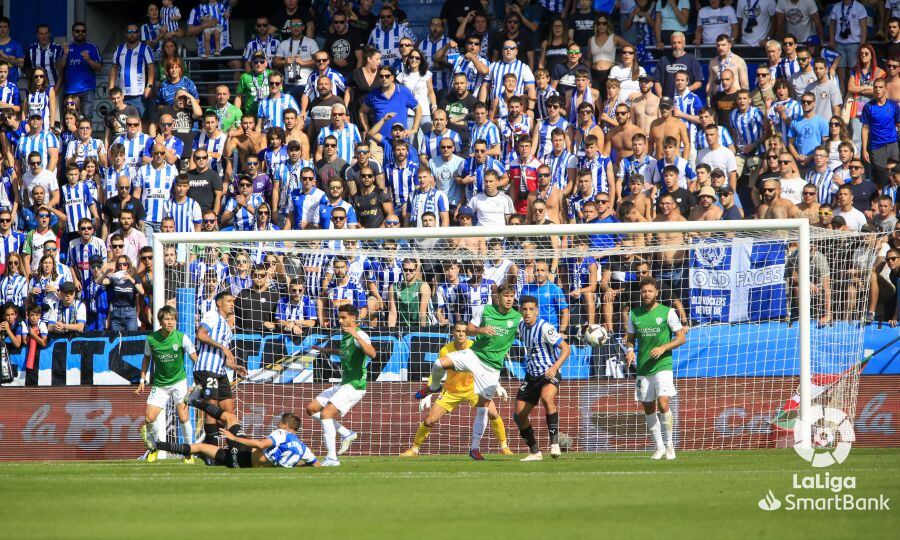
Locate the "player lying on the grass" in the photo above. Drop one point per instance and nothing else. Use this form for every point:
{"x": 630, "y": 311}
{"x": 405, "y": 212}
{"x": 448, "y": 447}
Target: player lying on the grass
{"x": 458, "y": 388}
{"x": 340, "y": 398}
{"x": 651, "y": 326}
{"x": 545, "y": 352}
{"x": 282, "y": 448}
{"x": 166, "y": 349}
{"x": 495, "y": 330}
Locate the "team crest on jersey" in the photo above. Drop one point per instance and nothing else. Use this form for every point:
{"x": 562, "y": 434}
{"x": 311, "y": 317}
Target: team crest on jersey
{"x": 175, "y": 347}
{"x": 659, "y": 320}
{"x": 509, "y": 324}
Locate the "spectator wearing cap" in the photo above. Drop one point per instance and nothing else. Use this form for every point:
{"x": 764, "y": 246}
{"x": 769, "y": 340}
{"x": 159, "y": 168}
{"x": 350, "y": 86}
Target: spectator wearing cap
{"x": 253, "y": 84}
{"x": 730, "y": 210}
{"x": 71, "y": 315}
{"x": 880, "y": 121}
{"x": 706, "y": 209}
{"x": 391, "y": 98}
{"x": 718, "y": 180}
{"x": 669, "y": 126}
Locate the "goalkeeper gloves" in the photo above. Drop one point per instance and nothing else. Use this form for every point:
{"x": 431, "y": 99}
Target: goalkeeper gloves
{"x": 502, "y": 393}
{"x": 425, "y": 403}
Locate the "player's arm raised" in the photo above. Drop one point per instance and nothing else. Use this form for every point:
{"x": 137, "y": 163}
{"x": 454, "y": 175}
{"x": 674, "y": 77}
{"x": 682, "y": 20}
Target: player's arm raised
{"x": 261, "y": 444}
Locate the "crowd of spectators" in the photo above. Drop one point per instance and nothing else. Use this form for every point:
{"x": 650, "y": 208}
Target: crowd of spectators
{"x": 527, "y": 112}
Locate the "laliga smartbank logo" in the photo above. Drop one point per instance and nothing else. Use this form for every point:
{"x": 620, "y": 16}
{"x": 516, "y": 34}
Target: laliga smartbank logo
{"x": 832, "y": 436}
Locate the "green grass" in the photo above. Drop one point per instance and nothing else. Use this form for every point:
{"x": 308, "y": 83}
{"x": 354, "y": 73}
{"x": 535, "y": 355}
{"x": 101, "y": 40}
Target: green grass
{"x": 701, "y": 495}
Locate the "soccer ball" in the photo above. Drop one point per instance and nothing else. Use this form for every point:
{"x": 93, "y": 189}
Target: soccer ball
{"x": 595, "y": 335}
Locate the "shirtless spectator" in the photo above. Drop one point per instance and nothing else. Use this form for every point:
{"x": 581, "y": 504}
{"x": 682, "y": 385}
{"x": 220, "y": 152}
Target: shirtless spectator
{"x": 667, "y": 126}
{"x": 618, "y": 139}
{"x": 644, "y": 104}
{"x": 706, "y": 209}
{"x": 772, "y": 206}
{"x": 248, "y": 142}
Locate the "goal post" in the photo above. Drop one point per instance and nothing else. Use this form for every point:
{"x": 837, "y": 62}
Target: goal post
{"x": 738, "y": 365}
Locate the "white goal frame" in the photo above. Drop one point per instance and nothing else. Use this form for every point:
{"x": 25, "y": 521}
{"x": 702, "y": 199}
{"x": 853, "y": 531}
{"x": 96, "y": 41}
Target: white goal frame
{"x": 800, "y": 226}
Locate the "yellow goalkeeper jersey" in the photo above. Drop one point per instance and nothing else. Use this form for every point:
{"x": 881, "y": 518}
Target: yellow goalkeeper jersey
{"x": 458, "y": 382}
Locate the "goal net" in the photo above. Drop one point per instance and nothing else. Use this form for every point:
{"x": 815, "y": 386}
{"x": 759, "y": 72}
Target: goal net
{"x": 757, "y": 299}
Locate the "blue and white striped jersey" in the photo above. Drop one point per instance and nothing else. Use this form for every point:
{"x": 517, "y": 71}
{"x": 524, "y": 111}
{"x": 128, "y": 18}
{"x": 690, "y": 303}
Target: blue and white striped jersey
{"x": 80, "y": 253}
{"x": 338, "y": 83}
{"x": 244, "y": 220}
{"x": 576, "y": 206}
{"x": 544, "y": 144}
{"x": 271, "y": 110}
{"x": 579, "y": 271}
{"x": 540, "y": 106}
{"x": 134, "y": 148}
{"x": 428, "y": 145}
{"x": 433, "y": 200}
{"x": 472, "y": 167}
{"x": 288, "y": 450}
{"x": 326, "y": 207}
{"x": 473, "y": 298}
{"x": 288, "y": 311}
{"x": 553, "y": 6}
{"x": 385, "y": 273}
{"x": 792, "y": 110}
{"x": 314, "y": 265}
{"x": 40, "y": 143}
{"x": 388, "y": 43}
{"x": 82, "y": 150}
{"x": 109, "y": 176}
{"x": 267, "y": 46}
{"x": 686, "y": 172}
{"x": 9, "y": 93}
{"x": 237, "y": 283}
{"x": 440, "y": 77}
{"x": 645, "y": 166}
{"x": 14, "y": 288}
{"x": 72, "y": 314}
{"x": 273, "y": 158}
{"x": 11, "y": 243}
{"x": 509, "y": 134}
{"x": 498, "y": 70}
{"x": 169, "y": 18}
{"x": 689, "y": 103}
{"x": 476, "y": 79}
{"x": 149, "y": 32}
{"x": 211, "y": 358}
{"x": 540, "y": 342}
{"x": 347, "y": 137}
{"x": 39, "y": 103}
{"x": 46, "y": 58}
{"x": 449, "y": 301}
{"x": 599, "y": 172}
{"x": 786, "y": 69}
{"x": 76, "y": 200}
{"x": 559, "y": 166}
{"x": 6, "y": 188}
{"x": 156, "y": 188}
{"x": 172, "y": 143}
{"x": 186, "y": 214}
{"x": 214, "y": 146}
{"x": 824, "y": 186}
{"x": 194, "y": 19}
{"x": 724, "y": 139}
{"x": 748, "y": 127}
{"x": 134, "y": 64}
{"x": 402, "y": 181}
{"x": 339, "y": 294}
{"x": 487, "y": 131}
{"x": 304, "y": 207}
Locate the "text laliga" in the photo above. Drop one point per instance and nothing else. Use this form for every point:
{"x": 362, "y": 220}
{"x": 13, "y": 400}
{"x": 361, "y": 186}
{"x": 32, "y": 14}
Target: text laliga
{"x": 91, "y": 425}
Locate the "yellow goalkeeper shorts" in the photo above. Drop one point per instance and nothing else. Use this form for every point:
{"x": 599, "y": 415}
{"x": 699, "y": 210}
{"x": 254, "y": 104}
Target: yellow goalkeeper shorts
{"x": 451, "y": 400}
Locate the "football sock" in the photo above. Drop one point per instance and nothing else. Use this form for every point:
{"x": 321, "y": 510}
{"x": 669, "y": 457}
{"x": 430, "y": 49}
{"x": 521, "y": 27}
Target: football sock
{"x": 176, "y": 448}
{"x": 528, "y": 436}
{"x": 187, "y": 432}
{"x": 478, "y": 426}
{"x": 208, "y": 408}
{"x": 437, "y": 373}
{"x": 341, "y": 430}
{"x": 653, "y": 428}
{"x": 238, "y": 430}
{"x": 666, "y": 420}
{"x": 317, "y": 417}
{"x": 553, "y": 427}
{"x": 328, "y": 434}
{"x": 421, "y": 434}
{"x": 159, "y": 428}
{"x": 499, "y": 430}
{"x": 211, "y": 434}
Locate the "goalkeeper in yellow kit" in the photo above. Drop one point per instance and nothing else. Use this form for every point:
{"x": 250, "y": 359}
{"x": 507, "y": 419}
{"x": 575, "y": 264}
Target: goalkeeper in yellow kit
{"x": 458, "y": 388}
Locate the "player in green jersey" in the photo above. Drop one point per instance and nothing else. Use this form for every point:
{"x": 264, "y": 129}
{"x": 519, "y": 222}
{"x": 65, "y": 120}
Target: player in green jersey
{"x": 657, "y": 330}
{"x": 495, "y": 330}
{"x": 166, "y": 349}
{"x": 356, "y": 347}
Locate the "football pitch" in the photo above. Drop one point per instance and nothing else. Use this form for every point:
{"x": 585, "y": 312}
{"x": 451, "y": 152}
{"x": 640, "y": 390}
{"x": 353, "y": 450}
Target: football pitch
{"x": 701, "y": 495}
